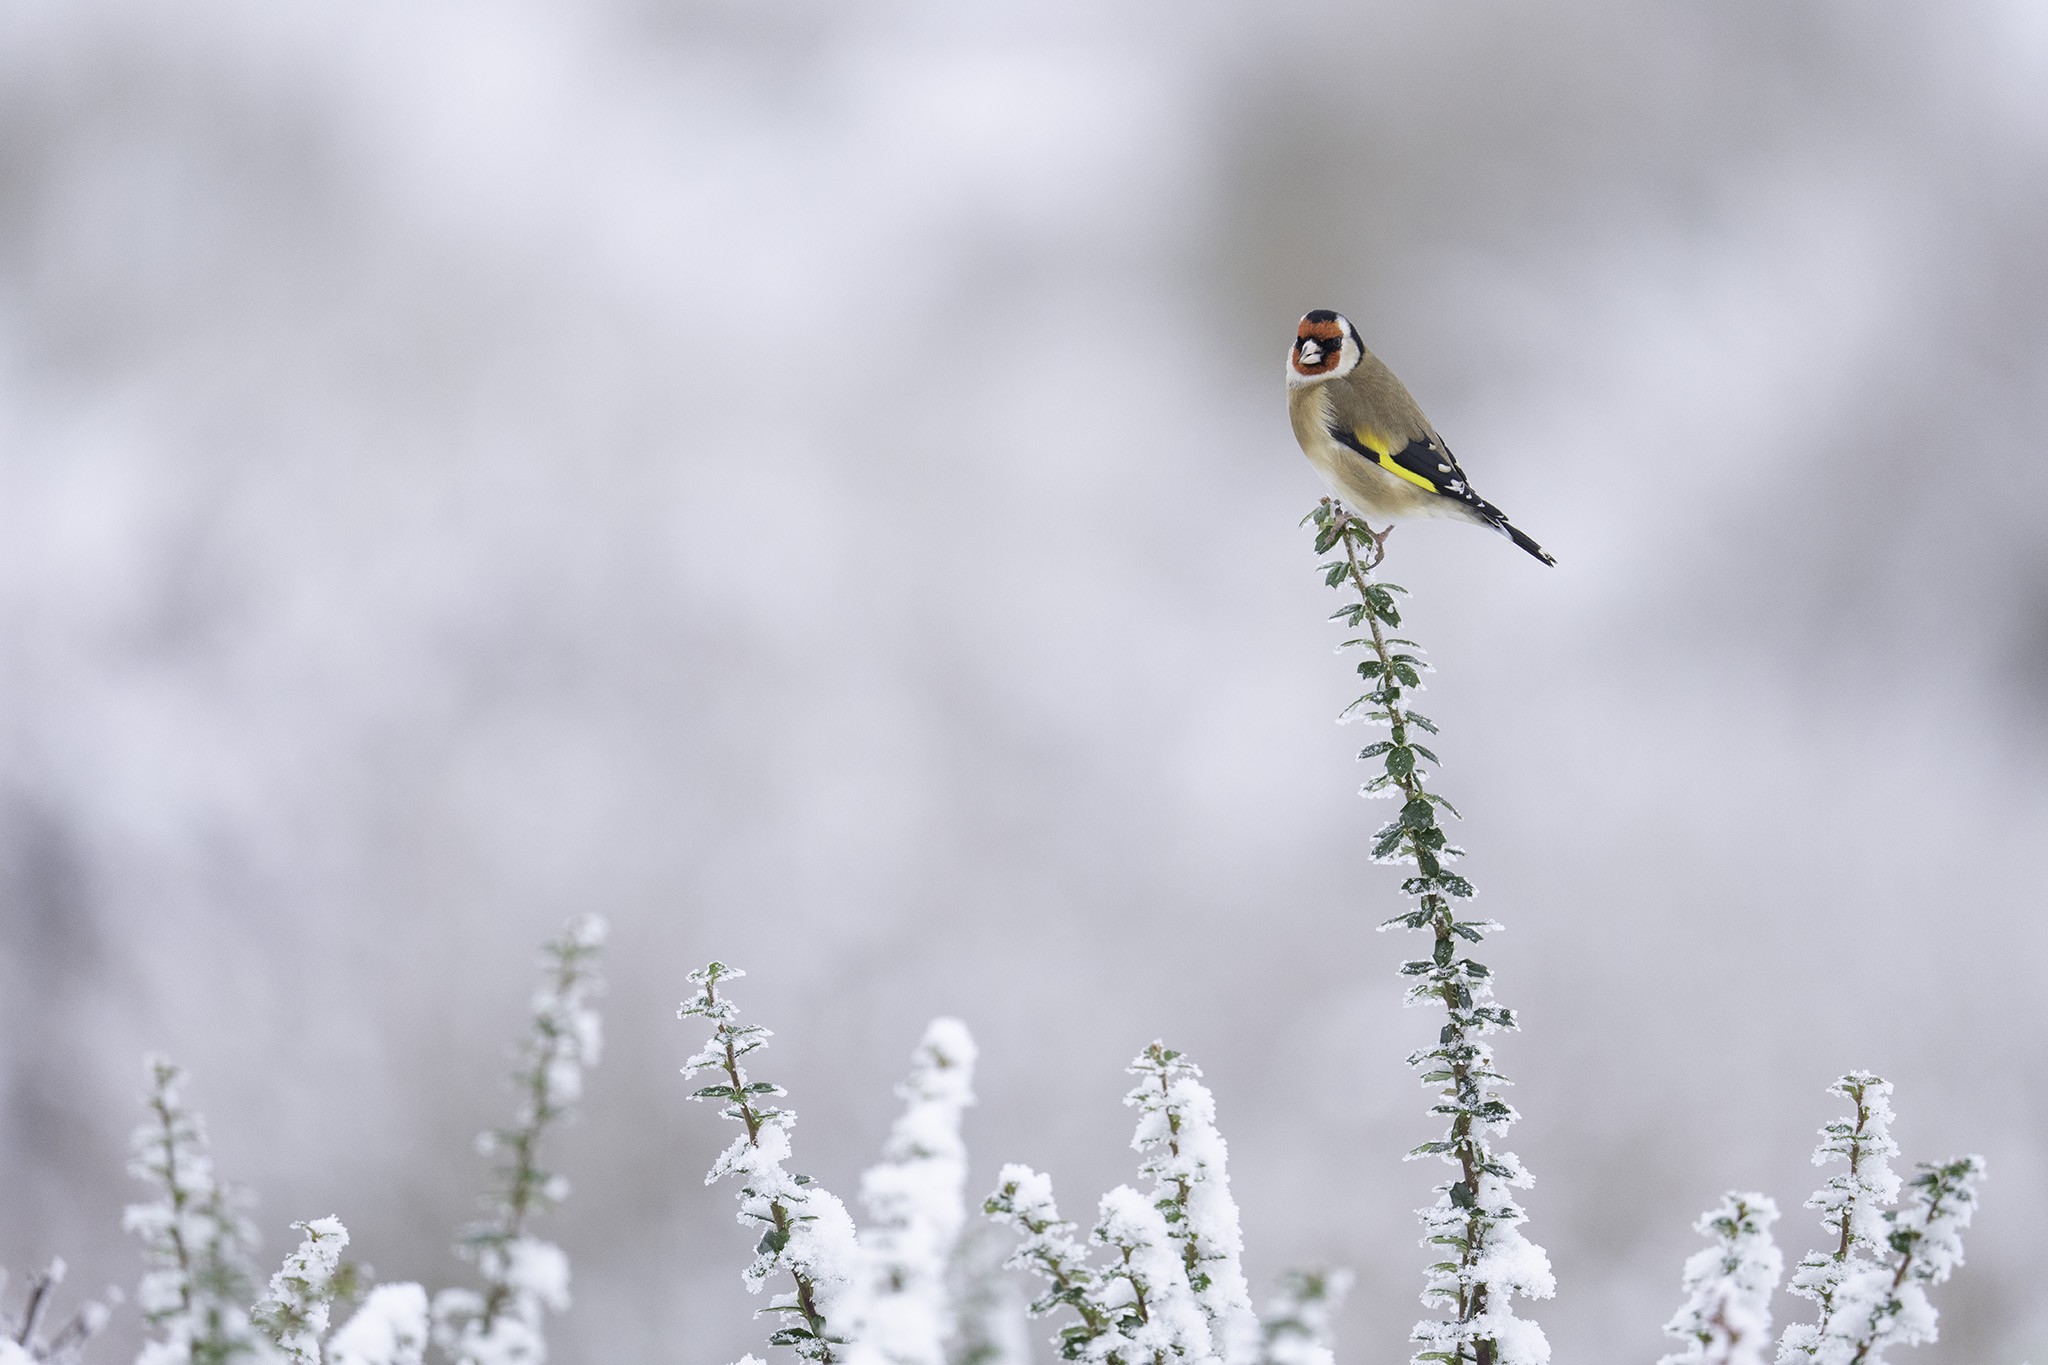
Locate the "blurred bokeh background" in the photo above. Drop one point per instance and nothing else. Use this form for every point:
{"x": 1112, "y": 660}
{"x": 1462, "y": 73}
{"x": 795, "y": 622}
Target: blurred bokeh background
{"x": 809, "y": 480}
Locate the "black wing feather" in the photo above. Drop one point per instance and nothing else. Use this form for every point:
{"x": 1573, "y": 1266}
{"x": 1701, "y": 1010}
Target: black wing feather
{"x": 1431, "y": 463}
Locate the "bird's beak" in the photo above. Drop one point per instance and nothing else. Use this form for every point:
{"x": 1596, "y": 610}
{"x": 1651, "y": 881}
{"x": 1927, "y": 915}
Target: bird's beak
{"x": 1311, "y": 354}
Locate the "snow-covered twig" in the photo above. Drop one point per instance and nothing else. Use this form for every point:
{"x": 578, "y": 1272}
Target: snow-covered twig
{"x": 914, "y": 1201}
{"x": 1146, "y": 1289}
{"x": 1474, "y": 1226}
{"x": 1299, "y": 1317}
{"x": 1174, "y": 1290}
{"x": 1023, "y": 1199}
{"x": 195, "y": 1241}
{"x": 1726, "y": 1319}
{"x": 1177, "y": 1128}
{"x": 806, "y": 1231}
{"x": 295, "y": 1311}
{"x": 991, "y": 1322}
{"x": 1869, "y": 1305}
{"x": 22, "y": 1338}
{"x": 1852, "y": 1204}
{"x": 525, "y": 1277}
{"x": 1926, "y": 1239}
{"x": 390, "y": 1328}
{"x": 1871, "y": 1286}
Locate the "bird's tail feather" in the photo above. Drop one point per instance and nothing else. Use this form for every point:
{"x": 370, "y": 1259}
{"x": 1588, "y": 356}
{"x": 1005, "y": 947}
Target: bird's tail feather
{"x": 1498, "y": 520}
{"x": 1514, "y": 533}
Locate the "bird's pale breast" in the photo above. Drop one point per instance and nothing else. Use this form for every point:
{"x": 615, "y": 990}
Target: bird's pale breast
{"x": 1362, "y": 486}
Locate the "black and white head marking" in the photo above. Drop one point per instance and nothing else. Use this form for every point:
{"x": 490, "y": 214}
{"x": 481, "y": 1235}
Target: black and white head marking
{"x": 1325, "y": 345}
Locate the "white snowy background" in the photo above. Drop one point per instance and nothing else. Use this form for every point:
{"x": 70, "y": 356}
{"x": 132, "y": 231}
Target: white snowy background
{"x": 808, "y": 479}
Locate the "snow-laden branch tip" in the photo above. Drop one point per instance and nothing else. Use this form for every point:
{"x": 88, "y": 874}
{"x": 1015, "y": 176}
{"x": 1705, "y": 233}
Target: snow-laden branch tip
{"x": 389, "y": 1329}
{"x": 526, "y": 1278}
{"x": 915, "y": 1203}
{"x": 26, "y": 1337}
{"x": 196, "y": 1243}
{"x": 295, "y": 1310}
{"x": 1726, "y": 1319}
{"x": 805, "y": 1231}
{"x": 1186, "y": 1158}
{"x": 1300, "y": 1318}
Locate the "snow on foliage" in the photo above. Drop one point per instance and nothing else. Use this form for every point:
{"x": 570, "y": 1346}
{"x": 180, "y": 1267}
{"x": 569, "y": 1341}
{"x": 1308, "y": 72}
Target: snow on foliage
{"x": 1159, "y": 1280}
{"x": 1146, "y": 1289}
{"x": 1845, "y": 1281}
{"x": 806, "y": 1232}
{"x": 1726, "y": 1319}
{"x": 914, "y": 1199}
{"x": 1186, "y": 1162}
{"x": 1482, "y": 1260}
{"x": 991, "y": 1326}
{"x": 389, "y": 1329}
{"x": 1878, "y": 1305}
{"x": 1023, "y": 1200}
{"x": 295, "y": 1311}
{"x": 1173, "y": 1288}
{"x": 195, "y": 1241}
{"x": 1299, "y": 1317}
{"x": 524, "y": 1277}
{"x": 197, "y": 1244}
{"x": 22, "y": 1338}
{"x": 1870, "y": 1286}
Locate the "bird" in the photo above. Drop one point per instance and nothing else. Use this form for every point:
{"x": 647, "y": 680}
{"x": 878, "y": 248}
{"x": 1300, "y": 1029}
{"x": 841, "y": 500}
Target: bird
{"x": 1367, "y": 436}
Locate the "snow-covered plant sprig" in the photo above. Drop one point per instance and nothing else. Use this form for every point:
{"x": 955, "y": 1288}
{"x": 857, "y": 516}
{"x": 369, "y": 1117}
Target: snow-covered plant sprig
{"x": 1146, "y": 1288}
{"x": 1023, "y": 1200}
{"x": 1871, "y": 1288}
{"x": 915, "y": 1205}
{"x": 526, "y": 1277}
{"x": 1726, "y": 1319}
{"x": 1298, "y": 1319}
{"x": 1852, "y": 1204}
{"x": 195, "y": 1241}
{"x": 990, "y": 1323}
{"x": 1177, "y": 1129}
{"x": 806, "y": 1232}
{"x": 1474, "y": 1226}
{"x": 1926, "y": 1240}
{"x": 391, "y": 1328}
{"x": 302, "y": 1291}
{"x": 22, "y": 1338}
{"x": 1174, "y": 1288}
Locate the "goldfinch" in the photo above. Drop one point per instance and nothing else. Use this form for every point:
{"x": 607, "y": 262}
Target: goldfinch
{"x": 1367, "y": 438}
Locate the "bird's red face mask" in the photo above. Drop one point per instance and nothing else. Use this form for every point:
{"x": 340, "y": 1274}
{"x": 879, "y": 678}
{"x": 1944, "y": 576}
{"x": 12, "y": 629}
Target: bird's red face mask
{"x": 1318, "y": 346}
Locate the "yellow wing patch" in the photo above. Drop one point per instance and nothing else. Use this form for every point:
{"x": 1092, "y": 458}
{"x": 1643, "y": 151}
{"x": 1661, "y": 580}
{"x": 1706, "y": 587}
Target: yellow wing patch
{"x": 1387, "y": 463}
{"x": 1384, "y": 457}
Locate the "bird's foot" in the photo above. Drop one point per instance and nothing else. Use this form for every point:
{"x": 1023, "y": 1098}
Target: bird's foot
{"x": 1378, "y": 539}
